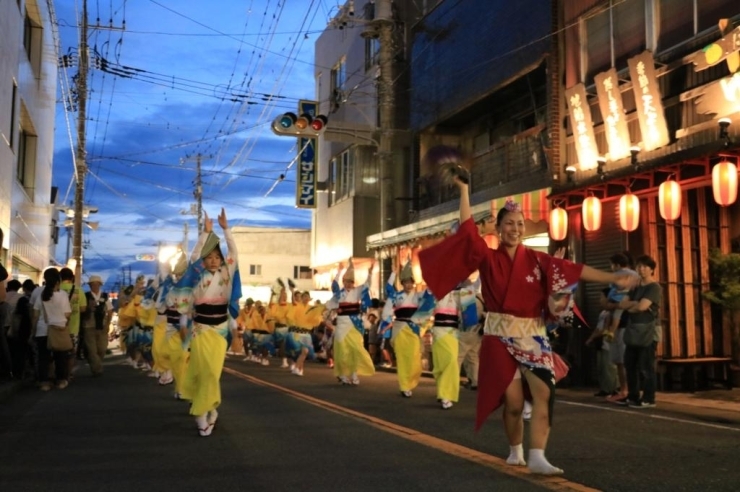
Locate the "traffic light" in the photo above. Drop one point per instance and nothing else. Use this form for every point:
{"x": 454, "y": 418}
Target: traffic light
{"x": 304, "y": 125}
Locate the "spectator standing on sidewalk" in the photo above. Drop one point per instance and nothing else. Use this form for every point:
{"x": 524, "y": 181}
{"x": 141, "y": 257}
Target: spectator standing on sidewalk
{"x": 9, "y": 326}
{"x": 619, "y": 319}
{"x": 606, "y": 371}
{"x": 78, "y": 302}
{"x": 50, "y": 310}
{"x": 642, "y": 304}
{"x": 5, "y": 364}
{"x": 96, "y": 321}
{"x": 19, "y": 337}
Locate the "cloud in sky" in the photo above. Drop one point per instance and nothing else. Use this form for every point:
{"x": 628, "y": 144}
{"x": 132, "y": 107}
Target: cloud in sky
{"x": 184, "y": 79}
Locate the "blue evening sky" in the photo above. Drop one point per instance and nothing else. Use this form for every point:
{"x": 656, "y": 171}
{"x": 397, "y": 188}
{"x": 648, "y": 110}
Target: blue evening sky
{"x": 185, "y": 77}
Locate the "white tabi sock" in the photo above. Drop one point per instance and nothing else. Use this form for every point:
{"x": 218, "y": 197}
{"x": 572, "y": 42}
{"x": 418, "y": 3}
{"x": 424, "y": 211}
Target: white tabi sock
{"x": 516, "y": 456}
{"x": 539, "y": 464}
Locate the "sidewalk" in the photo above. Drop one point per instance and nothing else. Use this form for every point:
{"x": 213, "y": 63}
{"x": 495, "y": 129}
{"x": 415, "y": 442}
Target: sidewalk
{"x": 717, "y": 399}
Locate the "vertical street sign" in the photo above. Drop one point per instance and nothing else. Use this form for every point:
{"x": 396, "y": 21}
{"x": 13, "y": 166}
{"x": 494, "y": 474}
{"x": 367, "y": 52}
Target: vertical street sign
{"x": 306, "y": 175}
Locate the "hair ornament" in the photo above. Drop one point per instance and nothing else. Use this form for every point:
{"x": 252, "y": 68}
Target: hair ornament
{"x": 512, "y": 206}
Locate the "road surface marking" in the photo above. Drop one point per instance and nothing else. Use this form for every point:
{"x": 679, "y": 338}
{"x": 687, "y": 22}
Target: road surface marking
{"x": 498, "y": 464}
{"x": 651, "y": 415}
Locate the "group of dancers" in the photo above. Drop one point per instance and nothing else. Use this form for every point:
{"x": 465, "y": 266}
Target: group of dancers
{"x": 520, "y": 291}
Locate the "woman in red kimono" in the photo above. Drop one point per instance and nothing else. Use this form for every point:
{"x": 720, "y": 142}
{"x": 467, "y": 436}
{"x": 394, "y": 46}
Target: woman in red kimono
{"x": 516, "y": 360}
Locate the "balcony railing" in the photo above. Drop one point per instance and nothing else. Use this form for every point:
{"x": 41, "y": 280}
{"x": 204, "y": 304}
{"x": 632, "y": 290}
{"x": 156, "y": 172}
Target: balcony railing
{"x": 513, "y": 159}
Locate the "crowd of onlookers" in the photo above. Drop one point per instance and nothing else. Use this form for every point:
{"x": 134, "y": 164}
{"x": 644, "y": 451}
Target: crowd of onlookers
{"x": 41, "y": 340}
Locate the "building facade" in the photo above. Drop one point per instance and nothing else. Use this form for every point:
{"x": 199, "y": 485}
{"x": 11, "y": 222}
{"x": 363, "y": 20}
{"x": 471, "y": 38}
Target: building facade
{"x": 652, "y": 95}
{"x": 28, "y": 68}
{"x": 348, "y": 75}
{"x": 479, "y": 82}
{"x": 266, "y": 254}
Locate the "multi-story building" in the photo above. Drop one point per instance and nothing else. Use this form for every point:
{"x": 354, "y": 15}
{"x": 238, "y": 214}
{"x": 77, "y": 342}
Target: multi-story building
{"x": 267, "y": 254}
{"x": 480, "y": 81}
{"x": 28, "y": 64}
{"x": 347, "y": 77}
{"x": 652, "y": 91}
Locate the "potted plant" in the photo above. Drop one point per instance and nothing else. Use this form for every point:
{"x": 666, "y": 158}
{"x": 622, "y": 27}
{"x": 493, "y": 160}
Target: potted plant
{"x": 725, "y": 292}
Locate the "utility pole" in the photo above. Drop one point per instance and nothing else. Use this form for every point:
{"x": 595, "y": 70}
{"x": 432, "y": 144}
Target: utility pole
{"x": 185, "y": 239}
{"x": 383, "y": 21}
{"x": 381, "y": 27}
{"x": 198, "y": 191}
{"x": 81, "y": 155}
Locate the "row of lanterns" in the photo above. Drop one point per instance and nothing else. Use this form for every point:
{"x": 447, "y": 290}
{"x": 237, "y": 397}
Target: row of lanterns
{"x": 724, "y": 188}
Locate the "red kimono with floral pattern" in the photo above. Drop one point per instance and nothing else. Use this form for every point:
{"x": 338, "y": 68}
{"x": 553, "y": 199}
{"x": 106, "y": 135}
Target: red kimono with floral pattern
{"x": 520, "y": 287}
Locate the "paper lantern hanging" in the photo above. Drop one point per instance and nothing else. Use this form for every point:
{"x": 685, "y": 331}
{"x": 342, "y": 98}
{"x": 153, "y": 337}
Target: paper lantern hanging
{"x": 669, "y": 200}
{"x": 591, "y": 211}
{"x": 629, "y": 212}
{"x": 558, "y": 224}
{"x": 724, "y": 183}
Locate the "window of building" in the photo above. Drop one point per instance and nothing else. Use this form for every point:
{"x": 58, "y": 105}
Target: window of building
{"x": 302, "y": 272}
{"x": 339, "y": 74}
{"x": 26, "y": 165}
{"x": 331, "y": 181}
{"x": 32, "y": 41}
{"x": 338, "y": 79}
{"x": 341, "y": 177}
{"x": 613, "y": 35}
{"x": 255, "y": 270}
{"x": 13, "y": 115}
{"x": 372, "y": 52}
{"x": 680, "y": 20}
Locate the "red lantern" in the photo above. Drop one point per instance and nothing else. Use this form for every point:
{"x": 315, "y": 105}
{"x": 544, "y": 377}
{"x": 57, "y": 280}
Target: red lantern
{"x": 724, "y": 183}
{"x": 558, "y": 224}
{"x": 669, "y": 200}
{"x": 629, "y": 212}
{"x": 591, "y": 212}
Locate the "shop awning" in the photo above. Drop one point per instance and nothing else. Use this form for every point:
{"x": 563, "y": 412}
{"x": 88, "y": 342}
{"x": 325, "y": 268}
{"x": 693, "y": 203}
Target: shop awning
{"x": 535, "y": 207}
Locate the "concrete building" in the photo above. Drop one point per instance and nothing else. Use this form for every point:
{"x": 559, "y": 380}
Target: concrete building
{"x": 268, "y": 253}
{"x": 348, "y": 205}
{"x": 28, "y": 76}
{"x": 480, "y": 81}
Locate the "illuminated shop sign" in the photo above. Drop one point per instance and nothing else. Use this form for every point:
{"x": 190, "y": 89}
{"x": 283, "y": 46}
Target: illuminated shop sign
{"x": 648, "y": 101}
{"x": 583, "y": 128}
{"x": 615, "y": 124}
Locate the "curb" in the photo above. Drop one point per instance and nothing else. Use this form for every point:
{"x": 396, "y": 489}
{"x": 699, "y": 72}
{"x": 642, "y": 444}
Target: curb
{"x": 684, "y": 399}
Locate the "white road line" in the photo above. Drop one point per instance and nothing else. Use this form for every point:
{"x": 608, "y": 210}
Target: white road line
{"x": 651, "y": 415}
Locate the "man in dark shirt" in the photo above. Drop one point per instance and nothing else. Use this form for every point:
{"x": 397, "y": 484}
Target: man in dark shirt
{"x": 642, "y": 307}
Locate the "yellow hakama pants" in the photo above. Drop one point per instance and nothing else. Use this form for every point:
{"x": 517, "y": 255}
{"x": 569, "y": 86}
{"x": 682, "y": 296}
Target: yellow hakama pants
{"x": 159, "y": 341}
{"x": 202, "y": 384}
{"x": 407, "y": 346}
{"x": 350, "y": 356}
{"x": 446, "y": 371}
{"x": 178, "y": 359}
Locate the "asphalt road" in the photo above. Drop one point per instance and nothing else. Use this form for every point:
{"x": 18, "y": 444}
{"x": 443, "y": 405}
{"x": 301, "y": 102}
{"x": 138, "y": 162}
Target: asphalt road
{"x": 281, "y": 432}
